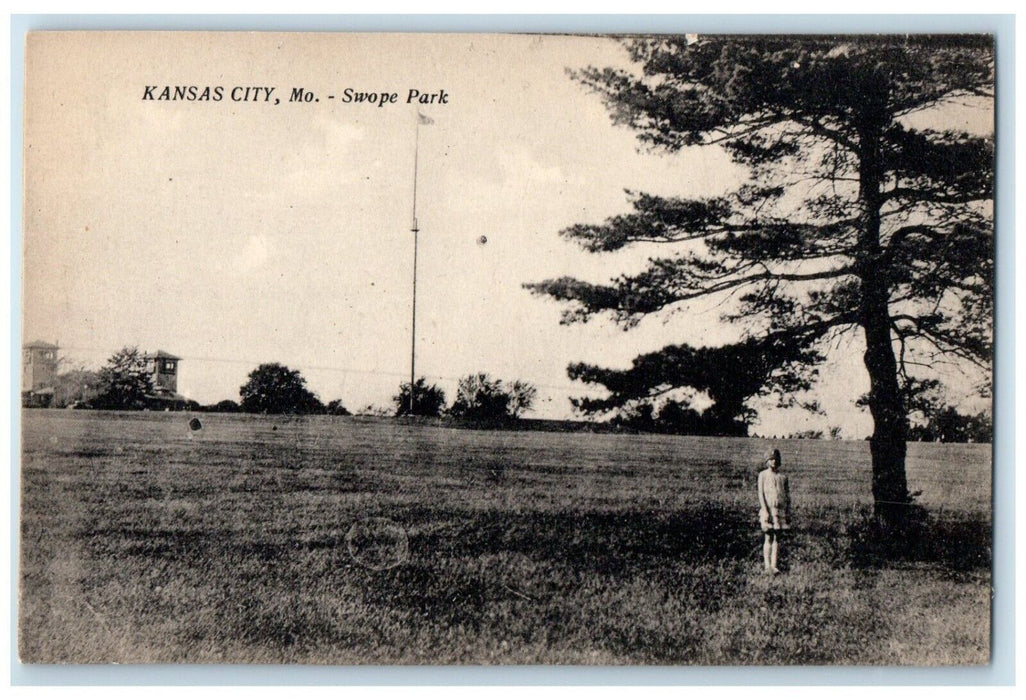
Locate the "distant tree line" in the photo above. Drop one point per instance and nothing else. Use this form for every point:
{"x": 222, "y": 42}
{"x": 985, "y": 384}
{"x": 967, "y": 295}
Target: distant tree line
{"x": 948, "y": 425}
{"x": 935, "y": 422}
{"x": 479, "y": 397}
{"x": 678, "y": 418}
{"x": 124, "y": 383}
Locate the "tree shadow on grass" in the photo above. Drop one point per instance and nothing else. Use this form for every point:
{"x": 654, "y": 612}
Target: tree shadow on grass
{"x": 482, "y": 570}
{"x": 613, "y": 543}
{"x": 558, "y": 552}
{"x": 956, "y": 543}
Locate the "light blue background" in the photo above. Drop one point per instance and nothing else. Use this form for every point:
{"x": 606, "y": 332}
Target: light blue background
{"x": 1000, "y": 672}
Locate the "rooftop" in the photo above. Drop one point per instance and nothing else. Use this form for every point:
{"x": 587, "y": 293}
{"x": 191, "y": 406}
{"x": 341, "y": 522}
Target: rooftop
{"x": 160, "y": 355}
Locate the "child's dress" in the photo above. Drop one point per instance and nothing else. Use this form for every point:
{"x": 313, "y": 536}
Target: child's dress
{"x": 774, "y": 501}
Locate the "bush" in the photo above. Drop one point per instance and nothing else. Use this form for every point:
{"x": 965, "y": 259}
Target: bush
{"x": 480, "y": 397}
{"x": 124, "y": 382}
{"x": 274, "y": 388}
{"x": 226, "y": 406}
{"x": 427, "y": 400}
{"x": 948, "y": 425}
{"x": 335, "y": 408}
{"x": 75, "y": 388}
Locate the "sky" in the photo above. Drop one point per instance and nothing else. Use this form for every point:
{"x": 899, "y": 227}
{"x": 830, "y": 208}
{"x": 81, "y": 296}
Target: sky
{"x": 232, "y": 233}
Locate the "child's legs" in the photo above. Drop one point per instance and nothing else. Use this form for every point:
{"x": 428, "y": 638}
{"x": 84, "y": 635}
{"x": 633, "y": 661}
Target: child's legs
{"x": 768, "y": 545}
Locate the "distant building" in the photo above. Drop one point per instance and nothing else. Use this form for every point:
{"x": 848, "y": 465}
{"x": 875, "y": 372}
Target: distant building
{"x": 163, "y": 369}
{"x": 163, "y": 366}
{"x": 38, "y": 373}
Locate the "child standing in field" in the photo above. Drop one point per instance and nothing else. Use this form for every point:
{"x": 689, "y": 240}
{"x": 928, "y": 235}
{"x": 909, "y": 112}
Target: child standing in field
{"x": 774, "y": 510}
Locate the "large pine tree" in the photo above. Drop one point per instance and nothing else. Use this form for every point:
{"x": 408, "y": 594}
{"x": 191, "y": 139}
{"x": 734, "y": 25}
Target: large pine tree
{"x": 852, "y": 221}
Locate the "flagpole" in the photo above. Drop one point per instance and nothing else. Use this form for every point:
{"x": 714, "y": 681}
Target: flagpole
{"x": 416, "y": 230}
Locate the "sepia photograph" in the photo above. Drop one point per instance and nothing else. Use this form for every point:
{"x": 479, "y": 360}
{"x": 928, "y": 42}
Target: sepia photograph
{"x": 405, "y": 349}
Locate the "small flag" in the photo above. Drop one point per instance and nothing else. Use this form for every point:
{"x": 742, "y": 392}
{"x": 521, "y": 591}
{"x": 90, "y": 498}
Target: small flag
{"x": 424, "y": 120}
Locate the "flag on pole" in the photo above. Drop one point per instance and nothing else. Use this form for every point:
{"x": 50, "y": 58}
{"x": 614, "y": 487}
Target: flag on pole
{"x": 424, "y": 120}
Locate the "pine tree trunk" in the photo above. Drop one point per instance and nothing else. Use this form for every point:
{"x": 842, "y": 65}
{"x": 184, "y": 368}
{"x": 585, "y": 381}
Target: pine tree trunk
{"x": 890, "y": 487}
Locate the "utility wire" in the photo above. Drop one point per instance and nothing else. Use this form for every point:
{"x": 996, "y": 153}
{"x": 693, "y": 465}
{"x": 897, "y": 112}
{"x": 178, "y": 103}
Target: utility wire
{"x": 344, "y": 370}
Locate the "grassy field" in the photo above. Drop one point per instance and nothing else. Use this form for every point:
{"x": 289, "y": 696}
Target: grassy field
{"x": 348, "y": 540}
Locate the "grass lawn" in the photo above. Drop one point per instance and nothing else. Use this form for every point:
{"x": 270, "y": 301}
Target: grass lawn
{"x": 347, "y": 540}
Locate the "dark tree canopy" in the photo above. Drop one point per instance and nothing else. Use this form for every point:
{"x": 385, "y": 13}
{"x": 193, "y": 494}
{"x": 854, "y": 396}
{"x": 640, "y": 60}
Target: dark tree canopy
{"x": 124, "y": 382}
{"x": 852, "y": 221}
{"x": 274, "y": 388}
{"x": 677, "y": 418}
{"x": 728, "y": 375}
{"x": 522, "y": 396}
{"x": 335, "y": 407}
{"x": 480, "y": 397}
{"x": 428, "y": 399}
{"x": 949, "y": 425}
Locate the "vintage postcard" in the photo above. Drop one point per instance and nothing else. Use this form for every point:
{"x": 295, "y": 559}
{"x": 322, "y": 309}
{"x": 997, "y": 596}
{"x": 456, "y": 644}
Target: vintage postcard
{"x": 507, "y": 349}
